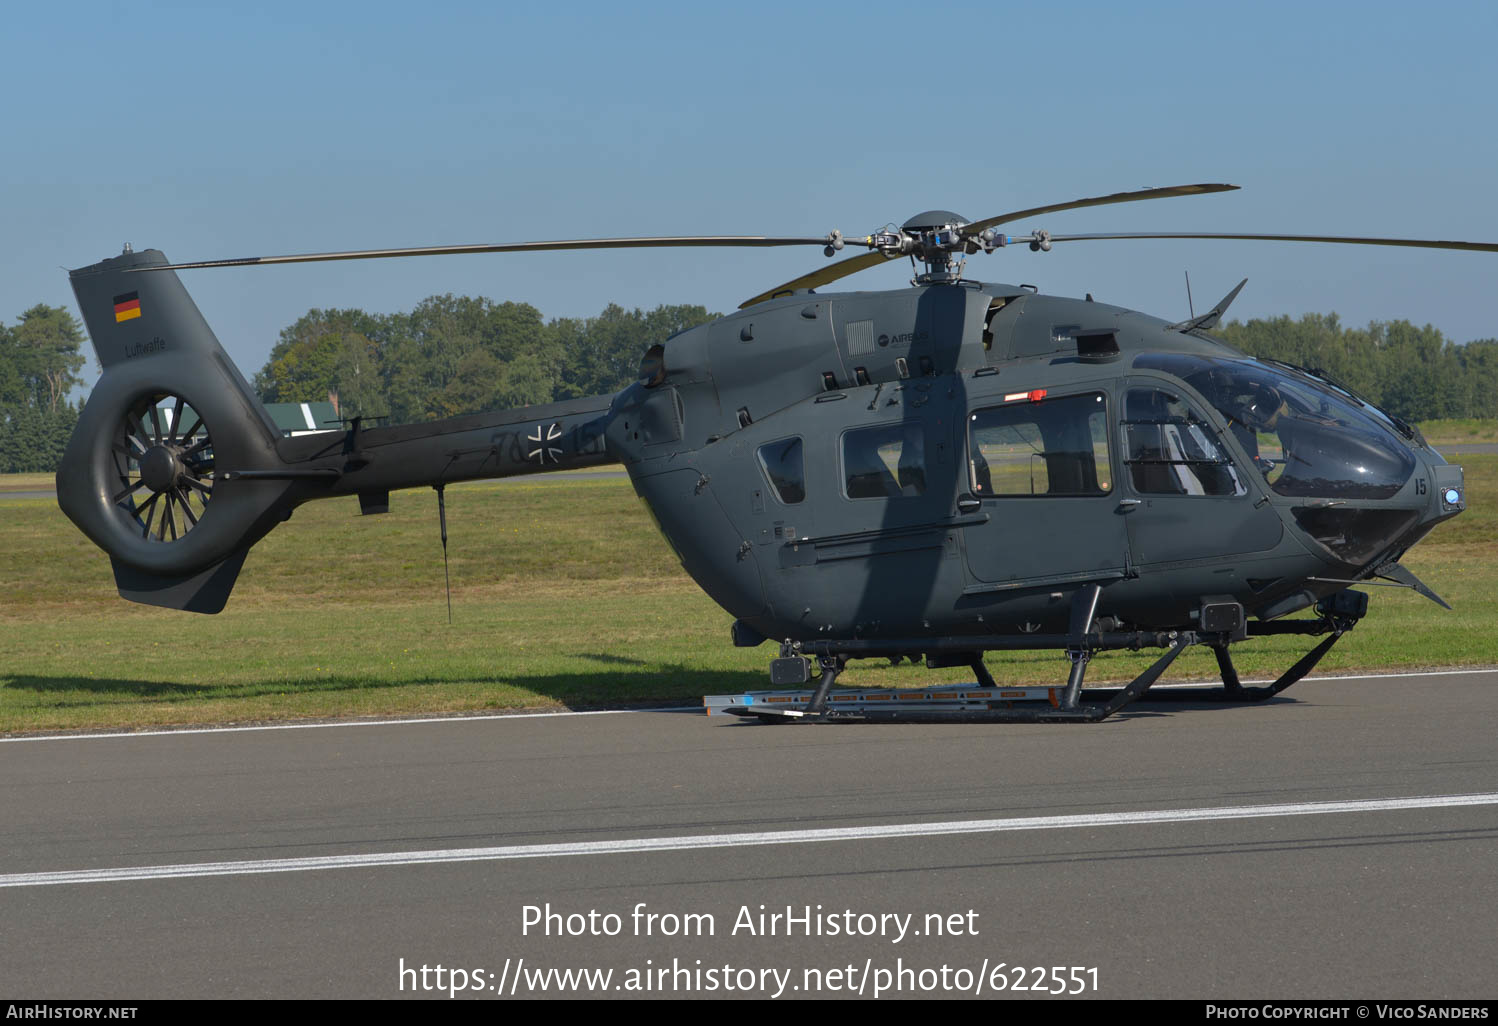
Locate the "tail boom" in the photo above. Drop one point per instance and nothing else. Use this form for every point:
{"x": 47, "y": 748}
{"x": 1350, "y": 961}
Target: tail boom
{"x": 175, "y": 468}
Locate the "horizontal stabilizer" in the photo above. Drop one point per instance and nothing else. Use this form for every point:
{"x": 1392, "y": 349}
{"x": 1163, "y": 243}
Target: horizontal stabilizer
{"x": 203, "y": 592}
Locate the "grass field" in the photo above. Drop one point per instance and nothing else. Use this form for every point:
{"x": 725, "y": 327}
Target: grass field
{"x": 563, "y": 595}
{"x": 1454, "y": 432}
{"x": 26, "y": 482}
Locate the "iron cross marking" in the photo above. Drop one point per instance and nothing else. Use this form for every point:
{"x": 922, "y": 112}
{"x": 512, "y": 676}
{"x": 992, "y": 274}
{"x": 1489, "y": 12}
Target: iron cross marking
{"x": 542, "y": 451}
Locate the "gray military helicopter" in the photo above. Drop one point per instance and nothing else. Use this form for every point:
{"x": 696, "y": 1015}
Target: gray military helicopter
{"x": 938, "y": 471}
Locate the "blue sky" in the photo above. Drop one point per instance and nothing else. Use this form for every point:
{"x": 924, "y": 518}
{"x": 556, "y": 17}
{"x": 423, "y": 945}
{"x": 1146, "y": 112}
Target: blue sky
{"x": 211, "y": 130}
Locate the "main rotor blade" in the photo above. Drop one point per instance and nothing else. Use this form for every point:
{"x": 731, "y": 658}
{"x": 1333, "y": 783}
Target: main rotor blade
{"x": 843, "y": 268}
{"x": 1354, "y": 240}
{"x": 821, "y": 276}
{"x": 1098, "y": 201}
{"x": 652, "y": 242}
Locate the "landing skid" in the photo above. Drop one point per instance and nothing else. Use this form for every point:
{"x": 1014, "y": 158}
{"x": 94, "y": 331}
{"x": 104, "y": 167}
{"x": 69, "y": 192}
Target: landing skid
{"x": 985, "y": 702}
{"x": 1232, "y": 689}
{"x": 972, "y": 703}
{"x": 1236, "y": 692}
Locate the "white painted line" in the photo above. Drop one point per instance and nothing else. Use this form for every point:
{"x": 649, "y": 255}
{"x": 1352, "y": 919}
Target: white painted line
{"x": 1343, "y": 676}
{"x": 1188, "y": 685}
{"x": 649, "y": 844}
{"x": 518, "y": 714}
{"x": 521, "y": 715}
{"x": 1375, "y": 676}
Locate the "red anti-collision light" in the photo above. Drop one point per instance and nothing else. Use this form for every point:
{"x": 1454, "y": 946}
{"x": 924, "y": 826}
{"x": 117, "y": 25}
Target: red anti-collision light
{"x": 1037, "y": 394}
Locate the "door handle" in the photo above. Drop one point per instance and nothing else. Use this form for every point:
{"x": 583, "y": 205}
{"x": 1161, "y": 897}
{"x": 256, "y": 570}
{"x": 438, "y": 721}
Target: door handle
{"x": 969, "y": 504}
{"x": 1126, "y": 505}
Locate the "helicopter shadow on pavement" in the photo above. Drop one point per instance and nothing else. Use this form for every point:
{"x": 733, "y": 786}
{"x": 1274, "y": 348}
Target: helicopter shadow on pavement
{"x": 572, "y": 690}
{"x": 1169, "y": 702}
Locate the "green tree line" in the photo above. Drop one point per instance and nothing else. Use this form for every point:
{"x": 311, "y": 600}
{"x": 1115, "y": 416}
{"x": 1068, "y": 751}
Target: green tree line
{"x": 1414, "y": 373}
{"x": 458, "y": 354}
{"x": 40, "y": 357}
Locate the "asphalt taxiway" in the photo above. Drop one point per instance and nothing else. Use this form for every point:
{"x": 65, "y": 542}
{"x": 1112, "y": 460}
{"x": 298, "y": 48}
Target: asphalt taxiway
{"x": 1339, "y": 841}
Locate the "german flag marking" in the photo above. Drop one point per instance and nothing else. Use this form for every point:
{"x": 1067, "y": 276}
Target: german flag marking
{"x": 126, "y": 307}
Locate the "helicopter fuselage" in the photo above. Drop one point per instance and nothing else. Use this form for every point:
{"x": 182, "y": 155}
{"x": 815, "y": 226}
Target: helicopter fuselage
{"x": 958, "y": 459}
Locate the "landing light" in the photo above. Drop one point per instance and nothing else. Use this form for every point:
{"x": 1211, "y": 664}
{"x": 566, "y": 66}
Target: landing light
{"x": 1452, "y": 496}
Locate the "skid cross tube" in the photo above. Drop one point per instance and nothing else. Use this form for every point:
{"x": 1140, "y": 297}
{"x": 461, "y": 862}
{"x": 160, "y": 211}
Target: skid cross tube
{"x": 980, "y": 671}
{"x": 1083, "y": 613}
{"x": 831, "y": 667}
{"x": 1079, "y": 657}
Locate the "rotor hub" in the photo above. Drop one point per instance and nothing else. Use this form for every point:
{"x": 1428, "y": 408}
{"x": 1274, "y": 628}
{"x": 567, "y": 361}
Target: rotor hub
{"x": 934, "y": 220}
{"x": 933, "y": 237}
{"x": 161, "y": 467}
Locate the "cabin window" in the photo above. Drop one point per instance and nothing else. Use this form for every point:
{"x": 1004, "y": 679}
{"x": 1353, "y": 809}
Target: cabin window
{"x": 1048, "y": 447}
{"x": 884, "y": 462}
{"x": 782, "y": 465}
{"x": 1171, "y": 450}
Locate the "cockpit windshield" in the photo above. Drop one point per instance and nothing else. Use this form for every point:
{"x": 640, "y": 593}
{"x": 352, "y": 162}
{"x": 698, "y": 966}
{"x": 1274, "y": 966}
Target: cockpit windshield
{"x": 1305, "y": 437}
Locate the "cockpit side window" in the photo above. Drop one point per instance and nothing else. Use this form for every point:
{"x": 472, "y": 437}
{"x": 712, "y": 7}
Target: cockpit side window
{"x": 1171, "y": 450}
{"x": 1306, "y": 438}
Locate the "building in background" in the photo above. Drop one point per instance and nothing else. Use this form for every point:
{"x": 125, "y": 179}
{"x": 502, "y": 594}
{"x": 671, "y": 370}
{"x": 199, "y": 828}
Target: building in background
{"x": 304, "y": 418}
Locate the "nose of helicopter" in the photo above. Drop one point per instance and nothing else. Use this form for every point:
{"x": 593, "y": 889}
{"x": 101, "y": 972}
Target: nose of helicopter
{"x": 1436, "y": 492}
{"x": 1371, "y": 533}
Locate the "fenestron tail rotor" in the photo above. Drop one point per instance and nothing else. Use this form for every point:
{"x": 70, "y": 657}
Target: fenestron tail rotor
{"x": 163, "y": 467}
